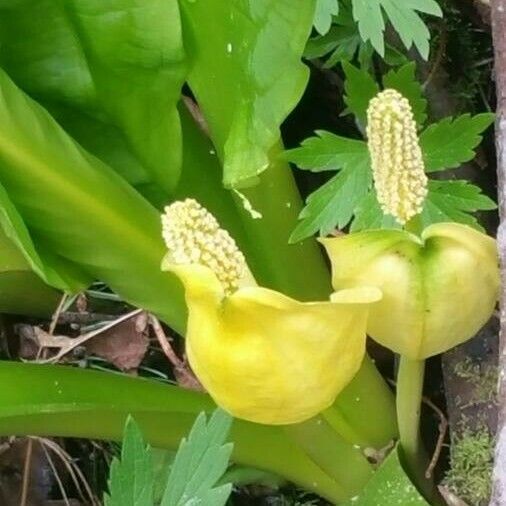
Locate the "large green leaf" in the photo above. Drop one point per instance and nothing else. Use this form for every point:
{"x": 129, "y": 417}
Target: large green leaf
{"x": 55, "y": 400}
{"x": 247, "y": 74}
{"x": 122, "y": 60}
{"x": 21, "y": 290}
{"x": 76, "y": 207}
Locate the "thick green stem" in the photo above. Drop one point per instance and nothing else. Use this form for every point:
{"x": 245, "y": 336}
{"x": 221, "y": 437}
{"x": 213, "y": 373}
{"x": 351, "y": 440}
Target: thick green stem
{"x": 409, "y": 401}
{"x": 53, "y": 400}
{"x": 331, "y": 453}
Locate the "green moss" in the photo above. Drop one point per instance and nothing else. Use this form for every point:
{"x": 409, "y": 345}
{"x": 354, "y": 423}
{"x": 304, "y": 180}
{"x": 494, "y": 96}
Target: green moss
{"x": 482, "y": 377}
{"x": 471, "y": 464}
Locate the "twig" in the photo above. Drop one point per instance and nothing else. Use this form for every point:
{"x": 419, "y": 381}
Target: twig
{"x": 78, "y": 341}
{"x": 56, "y": 314}
{"x": 163, "y": 340}
{"x": 75, "y": 473}
{"x": 181, "y": 371}
{"x": 56, "y": 475}
{"x": 26, "y": 473}
{"x": 443, "y": 427}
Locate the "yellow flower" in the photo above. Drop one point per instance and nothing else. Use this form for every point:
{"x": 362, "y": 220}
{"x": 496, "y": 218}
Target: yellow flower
{"x": 262, "y": 356}
{"x": 396, "y": 156}
{"x": 438, "y": 290}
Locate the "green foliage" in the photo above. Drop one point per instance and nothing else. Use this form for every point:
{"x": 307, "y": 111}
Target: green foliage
{"x": 335, "y": 202}
{"x": 199, "y": 463}
{"x": 131, "y": 478}
{"x": 84, "y": 212}
{"x": 348, "y": 196}
{"x": 325, "y": 9}
{"x": 454, "y": 201}
{"x": 123, "y": 61}
{"x": 389, "y": 485}
{"x": 247, "y": 76}
{"x": 404, "y": 17}
{"x": 404, "y": 81}
{"x": 360, "y": 88}
{"x": 452, "y": 141}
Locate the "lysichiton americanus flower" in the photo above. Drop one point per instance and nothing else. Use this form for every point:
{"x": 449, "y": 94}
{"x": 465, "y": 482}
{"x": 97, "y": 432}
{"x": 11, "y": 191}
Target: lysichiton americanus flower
{"x": 440, "y": 286}
{"x": 438, "y": 289}
{"x": 262, "y": 356}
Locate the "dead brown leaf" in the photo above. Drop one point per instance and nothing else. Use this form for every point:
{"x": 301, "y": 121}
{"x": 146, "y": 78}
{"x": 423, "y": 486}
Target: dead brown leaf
{"x": 123, "y": 345}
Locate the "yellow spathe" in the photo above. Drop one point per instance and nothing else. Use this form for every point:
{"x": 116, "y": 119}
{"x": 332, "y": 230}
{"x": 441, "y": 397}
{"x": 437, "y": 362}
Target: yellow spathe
{"x": 438, "y": 290}
{"x": 265, "y": 357}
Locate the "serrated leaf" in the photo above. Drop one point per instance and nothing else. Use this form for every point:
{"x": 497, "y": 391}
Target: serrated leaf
{"x": 325, "y": 9}
{"x": 360, "y": 88}
{"x": 131, "y": 478}
{"x": 454, "y": 201}
{"x": 369, "y": 215}
{"x": 247, "y": 75}
{"x": 404, "y": 17}
{"x": 328, "y": 151}
{"x": 389, "y": 486}
{"x": 452, "y": 141}
{"x": 334, "y": 203}
{"x": 405, "y": 82}
{"x": 200, "y": 462}
{"x": 342, "y": 41}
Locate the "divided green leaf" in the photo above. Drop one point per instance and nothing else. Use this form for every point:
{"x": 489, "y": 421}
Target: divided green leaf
{"x": 452, "y": 141}
{"x": 455, "y": 201}
{"x": 405, "y": 82}
{"x": 404, "y": 17}
{"x": 328, "y": 152}
{"x": 131, "y": 478}
{"x": 325, "y": 9}
{"x": 200, "y": 462}
{"x": 369, "y": 215}
{"x": 360, "y": 88}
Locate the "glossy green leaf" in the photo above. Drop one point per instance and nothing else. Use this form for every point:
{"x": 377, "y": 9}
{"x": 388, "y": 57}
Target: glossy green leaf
{"x": 452, "y": 141}
{"x": 247, "y": 75}
{"x": 122, "y": 61}
{"x": 55, "y": 400}
{"x": 76, "y": 207}
{"x": 21, "y": 290}
{"x": 54, "y": 271}
{"x": 389, "y": 486}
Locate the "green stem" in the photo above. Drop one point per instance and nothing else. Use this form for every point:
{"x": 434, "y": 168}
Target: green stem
{"x": 344, "y": 463}
{"x": 64, "y": 401}
{"x": 409, "y": 401}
